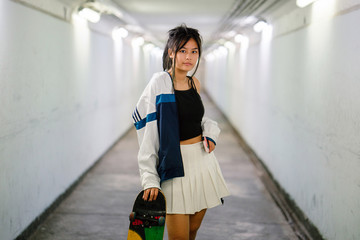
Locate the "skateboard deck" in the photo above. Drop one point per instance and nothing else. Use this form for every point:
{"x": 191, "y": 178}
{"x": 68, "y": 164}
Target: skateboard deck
{"x": 147, "y": 219}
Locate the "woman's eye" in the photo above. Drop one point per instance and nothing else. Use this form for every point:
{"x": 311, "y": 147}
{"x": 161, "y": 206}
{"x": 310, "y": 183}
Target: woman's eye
{"x": 194, "y": 51}
{"x": 182, "y": 51}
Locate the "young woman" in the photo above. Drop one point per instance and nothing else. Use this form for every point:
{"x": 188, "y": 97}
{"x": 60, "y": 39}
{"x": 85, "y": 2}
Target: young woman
{"x": 173, "y": 135}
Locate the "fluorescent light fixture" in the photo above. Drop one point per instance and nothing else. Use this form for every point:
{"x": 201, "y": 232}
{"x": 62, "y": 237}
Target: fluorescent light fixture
{"x": 119, "y": 33}
{"x": 304, "y": 3}
{"x": 221, "y": 41}
{"x": 134, "y": 28}
{"x": 221, "y": 51}
{"x": 260, "y": 26}
{"x": 210, "y": 57}
{"x": 239, "y": 38}
{"x": 230, "y": 34}
{"x": 89, "y": 14}
{"x": 249, "y": 20}
{"x": 229, "y": 45}
{"x": 139, "y": 41}
{"x": 149, "y": 47}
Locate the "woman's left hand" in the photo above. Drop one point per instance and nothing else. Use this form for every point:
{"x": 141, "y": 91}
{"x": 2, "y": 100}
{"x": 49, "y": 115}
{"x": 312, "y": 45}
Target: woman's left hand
{"x": 211, "y": 146}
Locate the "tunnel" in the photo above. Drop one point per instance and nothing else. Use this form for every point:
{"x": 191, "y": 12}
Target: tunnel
{"x": 280, "y": 77}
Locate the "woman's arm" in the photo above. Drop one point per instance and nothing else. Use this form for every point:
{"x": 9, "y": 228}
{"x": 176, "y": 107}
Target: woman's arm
{"x": 197, "y": 84}
{"x": 148, "y": 138}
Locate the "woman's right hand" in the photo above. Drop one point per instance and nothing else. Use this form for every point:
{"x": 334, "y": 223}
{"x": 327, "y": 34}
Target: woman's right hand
{"x": 150, "y": 194}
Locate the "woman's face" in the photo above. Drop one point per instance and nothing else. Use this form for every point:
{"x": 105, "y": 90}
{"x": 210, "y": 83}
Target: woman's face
{"x": 187, "y": 56}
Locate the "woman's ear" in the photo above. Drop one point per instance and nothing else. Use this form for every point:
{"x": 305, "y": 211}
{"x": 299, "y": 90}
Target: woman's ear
{"x": 171, "y": 53}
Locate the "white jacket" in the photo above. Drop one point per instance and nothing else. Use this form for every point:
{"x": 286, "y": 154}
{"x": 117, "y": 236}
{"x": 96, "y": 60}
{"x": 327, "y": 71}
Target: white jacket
{"x": 156, "y": 121}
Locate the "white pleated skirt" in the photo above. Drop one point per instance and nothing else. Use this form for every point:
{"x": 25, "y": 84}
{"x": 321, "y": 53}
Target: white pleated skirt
{"x": 202, "y": 187}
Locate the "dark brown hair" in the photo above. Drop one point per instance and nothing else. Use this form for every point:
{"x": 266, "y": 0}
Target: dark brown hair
{"x": 178, "y": 37}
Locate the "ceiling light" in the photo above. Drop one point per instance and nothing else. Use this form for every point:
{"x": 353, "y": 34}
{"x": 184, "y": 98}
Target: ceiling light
{"x": 138, "y": 41}
{"x": 230, "y": 34}
{"x": 249, "y": 20}
{"x": 134, "y": 28}
{"x": 119, "y": 33}
{"x": 221, "y": 51}
{"x": 260, "y": 26}
{"x": 149, "y": 47}
{"x": 304, "y": 3}
{"x": 89, "y": 14}
{"x": 210, "y": 57}
{"x": 239, "y": 38}
{"x": 229, "y": 45}
{"x": 221, "y": 41}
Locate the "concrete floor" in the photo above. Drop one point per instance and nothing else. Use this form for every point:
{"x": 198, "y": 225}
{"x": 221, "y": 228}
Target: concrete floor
{"x": 99, "y": 207}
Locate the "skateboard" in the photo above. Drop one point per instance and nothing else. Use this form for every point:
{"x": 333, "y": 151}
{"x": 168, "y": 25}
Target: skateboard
{"x": 147, "y": 219}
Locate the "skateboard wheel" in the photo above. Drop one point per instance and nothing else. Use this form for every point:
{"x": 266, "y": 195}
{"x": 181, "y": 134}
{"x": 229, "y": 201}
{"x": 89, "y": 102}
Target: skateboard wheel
{"x": 161, "y": 221}
{"x": 132, "y": 216}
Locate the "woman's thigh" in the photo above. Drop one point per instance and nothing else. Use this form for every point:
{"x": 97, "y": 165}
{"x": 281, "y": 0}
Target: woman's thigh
{"x": 178, "y": 226}
{"x": 195, "y": 221}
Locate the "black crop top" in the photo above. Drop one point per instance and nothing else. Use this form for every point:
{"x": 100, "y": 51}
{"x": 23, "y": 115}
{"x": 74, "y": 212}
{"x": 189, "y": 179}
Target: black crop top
{"x": 191, "y": 111}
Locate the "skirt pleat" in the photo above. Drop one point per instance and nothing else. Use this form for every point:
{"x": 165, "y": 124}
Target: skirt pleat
{"x": 202, "y": 187}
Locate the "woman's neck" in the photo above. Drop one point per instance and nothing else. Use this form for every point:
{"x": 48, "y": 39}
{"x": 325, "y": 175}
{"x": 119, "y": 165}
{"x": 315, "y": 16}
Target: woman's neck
{"x": 180, "y": 77}
{"x": 180, "y": 81}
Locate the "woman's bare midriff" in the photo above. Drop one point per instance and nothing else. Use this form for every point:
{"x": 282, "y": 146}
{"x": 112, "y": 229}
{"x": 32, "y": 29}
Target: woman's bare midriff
{"x": 191, "y": 140}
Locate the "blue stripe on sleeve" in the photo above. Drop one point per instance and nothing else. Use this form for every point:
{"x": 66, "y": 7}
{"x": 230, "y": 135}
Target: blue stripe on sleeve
{"x": 163, "y": 98}
{"x": 150, "y": 117}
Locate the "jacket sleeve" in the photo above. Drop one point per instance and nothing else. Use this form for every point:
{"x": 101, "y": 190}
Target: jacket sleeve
{"x": 211, "y": 129}
{"x": 148, "y": 138}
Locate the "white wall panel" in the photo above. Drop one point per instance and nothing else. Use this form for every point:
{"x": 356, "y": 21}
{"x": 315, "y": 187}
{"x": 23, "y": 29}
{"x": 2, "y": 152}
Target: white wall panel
{"x": 66, "y": 94}
{"x": 295, "y": 101}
